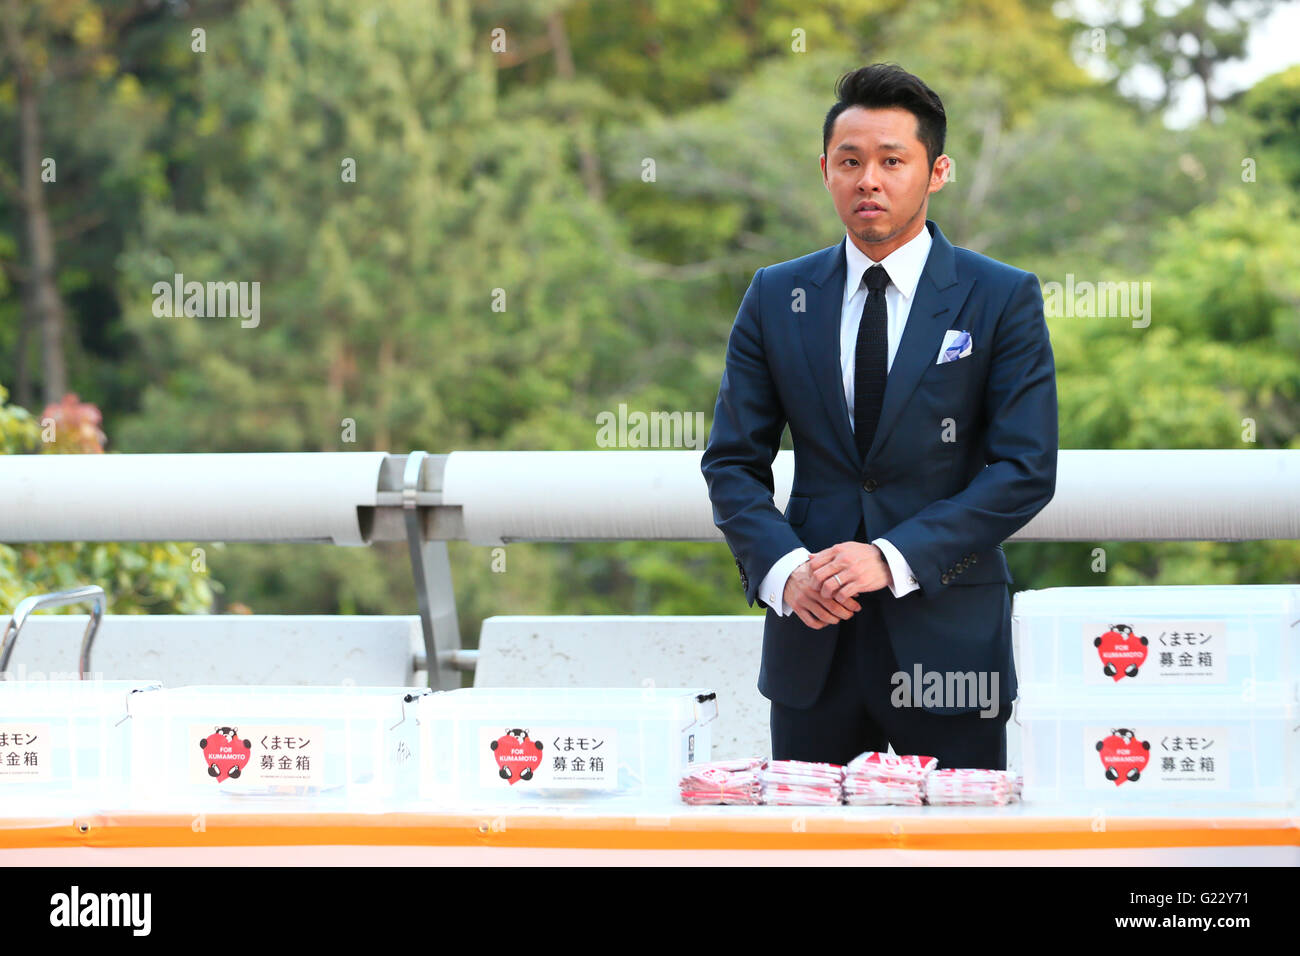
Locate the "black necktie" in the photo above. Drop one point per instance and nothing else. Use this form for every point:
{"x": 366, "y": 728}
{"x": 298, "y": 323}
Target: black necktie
{"x": 870, "y": 367}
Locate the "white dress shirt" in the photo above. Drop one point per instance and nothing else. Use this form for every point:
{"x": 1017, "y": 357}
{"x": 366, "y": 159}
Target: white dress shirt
{"x": 904, "y": 266}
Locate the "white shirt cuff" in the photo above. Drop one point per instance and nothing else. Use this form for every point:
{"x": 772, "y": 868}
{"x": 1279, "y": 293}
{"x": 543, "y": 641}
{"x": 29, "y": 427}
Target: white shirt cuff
{"x": 772, "y": 590}
{"x": 904, "y": 580}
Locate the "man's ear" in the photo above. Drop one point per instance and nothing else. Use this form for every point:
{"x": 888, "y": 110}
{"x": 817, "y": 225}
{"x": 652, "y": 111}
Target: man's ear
{"x": 941, "y": 174}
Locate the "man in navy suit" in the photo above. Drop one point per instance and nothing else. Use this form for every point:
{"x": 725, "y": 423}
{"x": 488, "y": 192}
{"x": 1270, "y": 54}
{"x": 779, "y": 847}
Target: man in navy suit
{"x": 918, "y": 382}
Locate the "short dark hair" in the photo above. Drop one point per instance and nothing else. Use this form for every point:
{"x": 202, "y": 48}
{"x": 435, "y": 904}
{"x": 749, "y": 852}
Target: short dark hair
{"x": 882, "y": 85}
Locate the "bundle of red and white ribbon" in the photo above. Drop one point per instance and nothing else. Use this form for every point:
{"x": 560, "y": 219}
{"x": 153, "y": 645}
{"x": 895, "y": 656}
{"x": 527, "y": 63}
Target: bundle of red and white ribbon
{"x": 802, "y": 784}
{"x": 734, "y": 782}
{"x": 971, "y": 788}
{"x": 876, "y": 779}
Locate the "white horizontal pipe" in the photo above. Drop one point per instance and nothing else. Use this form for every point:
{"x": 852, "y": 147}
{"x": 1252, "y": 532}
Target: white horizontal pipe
{"x": 1121, "y": 495}
{"x": 231, "y": 497}
{"x": 1172, "y": 495}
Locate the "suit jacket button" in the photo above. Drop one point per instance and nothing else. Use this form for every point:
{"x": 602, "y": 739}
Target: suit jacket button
{"x": 869, "y": 485}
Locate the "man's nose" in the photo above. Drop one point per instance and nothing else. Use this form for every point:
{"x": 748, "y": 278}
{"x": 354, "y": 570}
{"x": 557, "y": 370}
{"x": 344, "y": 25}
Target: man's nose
{"x": 869, "y": 181}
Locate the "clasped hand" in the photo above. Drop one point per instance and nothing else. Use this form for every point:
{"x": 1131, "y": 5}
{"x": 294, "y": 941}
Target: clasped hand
{"x": 821, "y": 589}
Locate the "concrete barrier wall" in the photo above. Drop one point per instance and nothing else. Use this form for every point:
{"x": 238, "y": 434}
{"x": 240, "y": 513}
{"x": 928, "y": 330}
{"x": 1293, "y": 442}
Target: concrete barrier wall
{"x": 225, "y": 648}
{"x": 717, "y": 652}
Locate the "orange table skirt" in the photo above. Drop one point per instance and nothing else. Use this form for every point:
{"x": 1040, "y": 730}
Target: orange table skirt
{"x": 784, "y": 828}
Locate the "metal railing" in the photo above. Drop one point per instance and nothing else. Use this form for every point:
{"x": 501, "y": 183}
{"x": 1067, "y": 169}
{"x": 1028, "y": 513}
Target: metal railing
{"x": 29, "y": 605}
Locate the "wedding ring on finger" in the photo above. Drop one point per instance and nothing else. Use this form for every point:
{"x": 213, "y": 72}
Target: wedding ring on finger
{"x": 838, "y": 581}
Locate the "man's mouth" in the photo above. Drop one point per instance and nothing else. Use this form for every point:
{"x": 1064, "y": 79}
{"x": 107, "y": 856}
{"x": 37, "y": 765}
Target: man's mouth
{"x": 869, "y": 209}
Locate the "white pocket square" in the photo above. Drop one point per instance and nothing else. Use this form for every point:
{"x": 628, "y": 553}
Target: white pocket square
{"x": 956, "y": 345}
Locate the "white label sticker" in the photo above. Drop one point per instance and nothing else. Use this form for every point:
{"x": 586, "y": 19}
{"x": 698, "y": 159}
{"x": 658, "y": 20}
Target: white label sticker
{"x": 1155, "y": 653}
{"x": 25, "y": 751}
{"x": 257, "y": 755}
{"x": 1166, "y": 756}
{"x": 567, "y": 756}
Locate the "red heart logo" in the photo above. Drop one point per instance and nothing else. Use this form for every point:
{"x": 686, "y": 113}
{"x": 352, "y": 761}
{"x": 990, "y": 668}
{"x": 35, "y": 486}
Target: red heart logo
{"x": 1123, "y": 755}
{"x": 225, "y": 753}
{"x": 1122, "y": 652}
{"x": 518, "y": 756}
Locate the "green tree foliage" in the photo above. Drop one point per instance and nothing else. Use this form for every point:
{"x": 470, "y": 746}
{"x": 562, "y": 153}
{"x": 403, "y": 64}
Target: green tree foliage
{"x": 137, "y": 578}
{"x": 1275, "y": 102}
{"x": 1180, "y": 42}
{"x": 85, "y": 86}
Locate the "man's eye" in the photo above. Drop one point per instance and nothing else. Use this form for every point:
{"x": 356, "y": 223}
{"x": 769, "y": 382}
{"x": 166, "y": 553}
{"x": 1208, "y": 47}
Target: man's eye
{"x": 893, "y": 159}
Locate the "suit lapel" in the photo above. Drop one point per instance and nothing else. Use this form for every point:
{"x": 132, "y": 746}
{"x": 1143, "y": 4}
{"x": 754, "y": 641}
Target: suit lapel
{"x": 820, "y": 330}
{"x": 938, "y": 298}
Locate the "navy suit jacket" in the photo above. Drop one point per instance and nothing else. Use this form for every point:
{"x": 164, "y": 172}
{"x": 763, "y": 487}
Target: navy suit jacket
{"x": 964, "y": 455}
